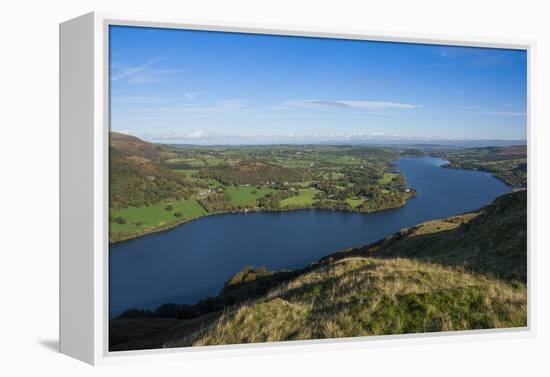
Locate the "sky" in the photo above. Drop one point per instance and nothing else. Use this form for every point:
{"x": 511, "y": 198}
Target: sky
{"x": 200, "y": 87}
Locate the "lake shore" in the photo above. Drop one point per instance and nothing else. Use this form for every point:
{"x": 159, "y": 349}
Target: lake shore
{"x": 292, "y": 239}
{"x": 165, "y": 227}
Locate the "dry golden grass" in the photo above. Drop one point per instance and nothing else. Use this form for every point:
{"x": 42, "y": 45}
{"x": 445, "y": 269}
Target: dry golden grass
{"x": 369, "y": 296}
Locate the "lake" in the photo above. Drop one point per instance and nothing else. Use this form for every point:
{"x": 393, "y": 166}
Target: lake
{"x": 194, "y": 260}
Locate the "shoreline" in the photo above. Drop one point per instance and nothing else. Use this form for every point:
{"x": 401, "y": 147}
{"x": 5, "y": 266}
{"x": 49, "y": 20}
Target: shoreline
{"x": 450, "y": 165}
{"x": 413, "y": 193}
{"x": 446, "y": 165}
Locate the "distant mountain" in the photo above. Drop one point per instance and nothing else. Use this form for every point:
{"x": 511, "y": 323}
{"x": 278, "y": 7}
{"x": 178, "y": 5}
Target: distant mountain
{"x": 430, "y": 143}
{"x": 381, "y": 142}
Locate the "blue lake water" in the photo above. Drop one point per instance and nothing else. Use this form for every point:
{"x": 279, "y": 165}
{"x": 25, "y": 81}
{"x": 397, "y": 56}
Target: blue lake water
{"x": 193, "y": 260}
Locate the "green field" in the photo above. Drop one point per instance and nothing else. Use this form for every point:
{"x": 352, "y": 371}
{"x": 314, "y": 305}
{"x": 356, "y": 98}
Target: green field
{"x": 228, "y": 179}
{"x": 306, "y": 197}
{"x": 355, "y": 202}
{"x": 143, "y": 218}
{"x": 246, "y": 195}
{"x": 387, "y": 178}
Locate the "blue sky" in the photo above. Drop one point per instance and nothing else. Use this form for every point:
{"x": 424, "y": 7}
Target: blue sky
{"x": 179, "y": 86}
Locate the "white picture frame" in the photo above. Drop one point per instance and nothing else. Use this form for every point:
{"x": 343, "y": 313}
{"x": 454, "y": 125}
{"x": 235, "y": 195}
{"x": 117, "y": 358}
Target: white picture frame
{"x": 84, "y": 125}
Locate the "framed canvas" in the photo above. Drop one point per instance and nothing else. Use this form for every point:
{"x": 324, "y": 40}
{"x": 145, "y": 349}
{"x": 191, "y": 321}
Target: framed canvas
{"x": 234, "y": 188}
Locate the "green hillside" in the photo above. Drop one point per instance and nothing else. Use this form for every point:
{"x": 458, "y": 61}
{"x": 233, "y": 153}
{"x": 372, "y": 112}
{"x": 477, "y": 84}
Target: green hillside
{"x": 371, "y": 296}
{"x": 136, "y": 178}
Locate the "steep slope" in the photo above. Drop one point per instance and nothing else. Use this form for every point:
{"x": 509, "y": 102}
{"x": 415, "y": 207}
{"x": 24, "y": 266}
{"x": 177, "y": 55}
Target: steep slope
{"x": 371, "y": 296}
{"x": 137, "y": 178}
{"x": 128, "y": 145}
{"x": 492, "y": 240}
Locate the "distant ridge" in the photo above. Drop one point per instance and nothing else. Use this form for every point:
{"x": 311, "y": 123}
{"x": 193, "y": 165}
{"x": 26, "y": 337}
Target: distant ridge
{"x": 432, "y": 143}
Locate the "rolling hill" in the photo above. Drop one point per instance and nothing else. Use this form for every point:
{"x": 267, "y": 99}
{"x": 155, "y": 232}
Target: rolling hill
{"x": 136, "y": 176}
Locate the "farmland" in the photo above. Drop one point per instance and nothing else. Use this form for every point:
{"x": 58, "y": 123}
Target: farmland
{"x": 158, "y": 186}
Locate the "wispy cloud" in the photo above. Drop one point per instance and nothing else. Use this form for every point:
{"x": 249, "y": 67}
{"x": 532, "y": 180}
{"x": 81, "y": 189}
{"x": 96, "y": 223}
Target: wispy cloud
{"x": 476, "y": 57}
{"x": 129, "y": 71}
{"x": 143, "y": 73}
{"x": 225, "y": 105}
{"x": 363, "y": 105}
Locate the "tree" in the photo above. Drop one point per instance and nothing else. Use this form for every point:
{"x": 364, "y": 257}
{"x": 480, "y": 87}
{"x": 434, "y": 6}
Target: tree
{"x": 120, "y": 220}
{"x": 169, "y": 207}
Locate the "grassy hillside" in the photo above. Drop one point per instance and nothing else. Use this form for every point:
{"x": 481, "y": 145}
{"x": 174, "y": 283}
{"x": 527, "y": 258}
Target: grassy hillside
{"x": 371, "y": 296}
{"x": 128, "y": 145}
{"x": 492, "y": 240}
{"x": 464, "y": 272}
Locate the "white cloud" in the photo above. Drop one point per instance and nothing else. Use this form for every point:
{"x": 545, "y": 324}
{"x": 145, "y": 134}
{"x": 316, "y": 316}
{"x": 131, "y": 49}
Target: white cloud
{"x": 363, "y": 105}
{"x": 197, "y": 135}
{"x": 177, "y": 136}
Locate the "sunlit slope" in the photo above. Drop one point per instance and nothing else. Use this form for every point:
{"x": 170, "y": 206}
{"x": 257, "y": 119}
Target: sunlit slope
{"x": 492, "y": 240}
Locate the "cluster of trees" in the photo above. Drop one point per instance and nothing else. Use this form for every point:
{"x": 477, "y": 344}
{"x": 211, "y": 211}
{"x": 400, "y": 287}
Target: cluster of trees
{"x": 273, "y": 199}
{"x": 362, "y": 187}
{"x": 378, "y": 200}
{"x": 118, "y": 220}
{"x": 253, "y": 173}
{"x": 333, "y": 204}
{"x": 217, "y": 202}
